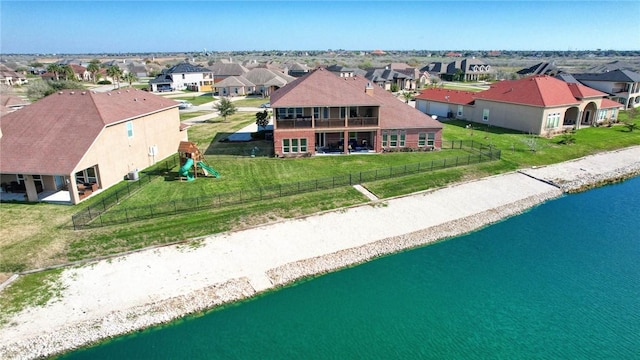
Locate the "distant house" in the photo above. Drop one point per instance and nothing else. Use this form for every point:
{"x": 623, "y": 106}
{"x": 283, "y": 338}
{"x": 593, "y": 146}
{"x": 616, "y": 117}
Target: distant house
{"x": 183, "y": 76}
{"x": 324, "y": 113}
{"x": 389, "y": 79}
{"x": 538, "y": 105}
{"x": 267, "y": 81}
{"x": 234, "y": 86}
{"x": 622, "y": 85}
{"x": 614, "y": 65}
{"x": 346, "y": 71}
{"x": 470, "y": 69}
{"x": 445, "y": 103}
{"x": 76, "y": 142}
{"x": 10, "y": 78}
{"x": 542, "y": 68}
{"x": 81, "y": 72}
{"x": 223, "y": 69}
{"x": 296, "y": 69}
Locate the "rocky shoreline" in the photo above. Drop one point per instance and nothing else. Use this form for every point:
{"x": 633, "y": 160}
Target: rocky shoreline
{"x": 76, "y": 334}
{"x": 161, "y": 312}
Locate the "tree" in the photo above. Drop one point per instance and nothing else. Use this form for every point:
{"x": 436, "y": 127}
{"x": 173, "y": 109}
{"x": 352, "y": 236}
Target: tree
{"x": 115, "y": 73}
{"x": 94, "y": 68}
{"x": 55, "y": 69}
{"x": 407, "y": 96}
{"x": 262, "y": 119}
{"x": 225, "y": 107}
{"x": 67, "y": 72}
{"x": 130, "y": 78}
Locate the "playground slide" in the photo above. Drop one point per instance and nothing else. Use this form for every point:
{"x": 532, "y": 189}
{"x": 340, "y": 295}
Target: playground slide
{"x": 184, "y": 170}
{"x": 208, "y": 169}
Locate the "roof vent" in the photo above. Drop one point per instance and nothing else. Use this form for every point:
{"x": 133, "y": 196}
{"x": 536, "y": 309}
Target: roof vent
{"x": 84, "y": 93}
{"x": 60, "y": 93}
{"x": 109, "y": 94}
{"x": 71, "y": 93}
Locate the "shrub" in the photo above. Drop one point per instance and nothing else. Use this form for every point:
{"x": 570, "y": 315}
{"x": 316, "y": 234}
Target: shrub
{"x": 104, "y": 82}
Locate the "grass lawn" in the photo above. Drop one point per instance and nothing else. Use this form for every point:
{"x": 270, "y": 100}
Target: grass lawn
{"x": 189, "y": 115}
{"x": 251, "y": 101}
{"x": 38, "y": 235}
{"x": 196, "y": 99}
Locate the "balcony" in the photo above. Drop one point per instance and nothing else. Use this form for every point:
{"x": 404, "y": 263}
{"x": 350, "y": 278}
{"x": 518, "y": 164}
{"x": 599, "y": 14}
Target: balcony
{"x": 363, "y": 122}
{"x": 330, "y": 123}
{"x": 299, "y": 123}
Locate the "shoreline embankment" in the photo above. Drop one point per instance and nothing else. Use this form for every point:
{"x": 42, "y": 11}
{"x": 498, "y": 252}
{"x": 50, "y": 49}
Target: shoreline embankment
{"x": 129, "y": 293}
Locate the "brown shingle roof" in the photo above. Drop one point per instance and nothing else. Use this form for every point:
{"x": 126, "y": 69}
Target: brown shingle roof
{"x": 323, "y": 88}
{"x": 50, "y": 136}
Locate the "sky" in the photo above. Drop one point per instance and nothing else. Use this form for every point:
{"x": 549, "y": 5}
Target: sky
{"x": 96, "y": 27}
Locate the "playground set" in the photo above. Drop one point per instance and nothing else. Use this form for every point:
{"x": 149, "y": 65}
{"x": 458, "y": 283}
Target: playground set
{"x": 191, "y": 157}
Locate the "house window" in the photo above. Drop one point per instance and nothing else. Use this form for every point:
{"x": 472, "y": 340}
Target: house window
{"x": 485, "y": 115}
{"x": 393, "y": 139}
{"x": 460, "y": 110}
{"x": 553, "y": 120}
{"x": 129, "y": 129}
{"x": 316, "y": 112}
{"x": 294, "y": 146}
{"x": 326, "y": 113}
{"x": 343, "y": 112}
{"x": 602, "y": 114}
{"x": 614, "y": 112}
{"x": 353, "y": 136}
{"x": 385, "y": 139}
{"x": 403, "y": 137}
{"x": 422, "y": 139}
{"x": 431, "y": 139}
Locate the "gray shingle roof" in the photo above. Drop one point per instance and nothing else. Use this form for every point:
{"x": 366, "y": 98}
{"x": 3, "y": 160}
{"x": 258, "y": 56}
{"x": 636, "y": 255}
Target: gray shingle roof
{"x": 615, "y": 75}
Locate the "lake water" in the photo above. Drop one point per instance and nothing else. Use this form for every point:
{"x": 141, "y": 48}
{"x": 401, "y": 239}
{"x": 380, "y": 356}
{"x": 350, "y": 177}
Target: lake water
{"x": 561, "y": 281}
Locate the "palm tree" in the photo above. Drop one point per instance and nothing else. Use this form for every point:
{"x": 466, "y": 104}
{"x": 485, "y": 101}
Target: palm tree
{"x": 67, "y": 72}
{"x": 55, "y": 69}
{"x": 115, "y": 73}
{"x": 94, "y": 68}
{"x": 130, "y": 77}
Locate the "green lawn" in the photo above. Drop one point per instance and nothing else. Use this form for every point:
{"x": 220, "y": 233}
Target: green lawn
{"x": 38, "y": 235}
{"x": 251, "y": 101}
{"x": 196, "y": 99}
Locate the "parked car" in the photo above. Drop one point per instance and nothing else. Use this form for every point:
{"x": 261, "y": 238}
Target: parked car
{"x": 184, "y": 105}
{"x": 265, "y": 105}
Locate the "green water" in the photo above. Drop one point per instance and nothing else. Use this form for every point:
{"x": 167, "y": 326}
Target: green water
{"x": 561, "y": 281}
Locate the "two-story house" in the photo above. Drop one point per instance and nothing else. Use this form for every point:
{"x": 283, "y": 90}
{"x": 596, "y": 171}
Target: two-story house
{"x": 622, "y": 85}
{"x": 183, "y": 76}
{"x": 75, "y": 142}
{"x": 323, "y": 113}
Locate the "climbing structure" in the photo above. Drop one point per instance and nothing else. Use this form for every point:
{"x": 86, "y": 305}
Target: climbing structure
{"x": 190, "y": 156}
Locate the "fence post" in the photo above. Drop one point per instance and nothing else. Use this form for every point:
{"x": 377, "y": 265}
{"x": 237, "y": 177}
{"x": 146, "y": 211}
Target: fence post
{"x": 73, "y": 220}
{"x": 104, "y": 207}
{"x": 350, "y": 182}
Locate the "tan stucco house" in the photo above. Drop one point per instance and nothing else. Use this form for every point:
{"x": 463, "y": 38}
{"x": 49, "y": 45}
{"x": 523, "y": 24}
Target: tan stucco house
{"x": 79, "y": 141}
{"x": 538, "y": 105}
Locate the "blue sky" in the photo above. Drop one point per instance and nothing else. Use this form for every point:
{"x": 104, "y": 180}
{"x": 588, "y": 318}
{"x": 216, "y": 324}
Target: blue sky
{"x": 153, "y": 26}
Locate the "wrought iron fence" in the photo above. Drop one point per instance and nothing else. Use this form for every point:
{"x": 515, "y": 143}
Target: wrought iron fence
{"x": 97, "y": 215}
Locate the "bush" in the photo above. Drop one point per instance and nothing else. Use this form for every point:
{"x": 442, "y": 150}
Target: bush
{"x": 104, "y": 82}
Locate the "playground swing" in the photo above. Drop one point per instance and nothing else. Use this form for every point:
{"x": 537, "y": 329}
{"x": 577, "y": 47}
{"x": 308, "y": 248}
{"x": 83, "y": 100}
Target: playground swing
{"x": 191, "y": 157}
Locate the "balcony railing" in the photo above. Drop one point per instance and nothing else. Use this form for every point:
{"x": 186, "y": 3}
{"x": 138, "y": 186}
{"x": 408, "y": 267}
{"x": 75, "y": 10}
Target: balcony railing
{"x": 302, "y": 123}
{"x": 305, "y": 123}
{"x": 329, "y": 123}
{"x": 363, "y": 122}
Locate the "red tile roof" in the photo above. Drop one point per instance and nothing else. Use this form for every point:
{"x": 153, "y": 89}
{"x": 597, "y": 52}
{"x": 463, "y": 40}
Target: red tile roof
{"x": 447, "y": 95}
{"x": 610, "y": 104}
{"x": 323, "y": 88}
{"x": 539, "y": 90}
{"x": 580, "y": 91}
{"x": 50, "y": 136}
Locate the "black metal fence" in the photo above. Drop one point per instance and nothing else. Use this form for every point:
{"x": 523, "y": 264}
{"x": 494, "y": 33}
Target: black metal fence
{"x": 97, "y": 216}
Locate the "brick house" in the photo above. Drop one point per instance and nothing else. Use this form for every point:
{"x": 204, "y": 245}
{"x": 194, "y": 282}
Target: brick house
{"x": 322, "y": 113}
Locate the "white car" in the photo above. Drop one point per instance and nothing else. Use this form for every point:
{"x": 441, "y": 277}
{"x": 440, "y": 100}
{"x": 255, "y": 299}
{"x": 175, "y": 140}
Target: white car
{"x": 184, "y": 105}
